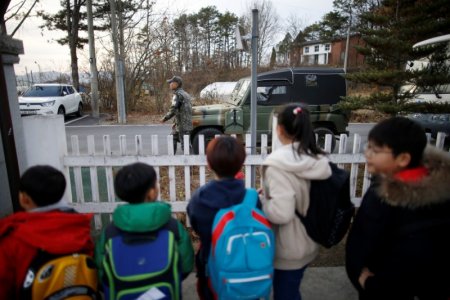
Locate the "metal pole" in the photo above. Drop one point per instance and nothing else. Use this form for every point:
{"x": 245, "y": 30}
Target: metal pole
{"x": 92, "y": 62}
{"x": 118, "y": 67}
{"x": 347, "y": 42}
{"x": 253, "y": 124}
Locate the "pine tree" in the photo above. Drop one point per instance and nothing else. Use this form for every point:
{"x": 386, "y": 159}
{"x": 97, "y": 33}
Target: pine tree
{"x": 389, "y": 31}
{"x": 273, "y": 58}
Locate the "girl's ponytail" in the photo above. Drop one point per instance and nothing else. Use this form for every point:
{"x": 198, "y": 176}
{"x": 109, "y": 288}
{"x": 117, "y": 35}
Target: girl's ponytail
{"x": 296, "y": 121}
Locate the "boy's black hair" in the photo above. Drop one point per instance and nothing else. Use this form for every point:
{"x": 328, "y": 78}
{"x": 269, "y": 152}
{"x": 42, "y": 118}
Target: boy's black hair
{"x": 133, "y": 181}
{"x": 225, "y": 156}
{"x": 44, "y": 184}
{"x": 402, "y": 135}
{"x": 294, "y": 117}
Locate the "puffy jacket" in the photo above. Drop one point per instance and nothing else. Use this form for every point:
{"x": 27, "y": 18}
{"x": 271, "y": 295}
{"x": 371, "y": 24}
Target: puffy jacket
{"x": 286, "y": 183}
{"x": 24, "y": 233}
{"x": 401, "y": 234}
{"x": 203, "y": 207}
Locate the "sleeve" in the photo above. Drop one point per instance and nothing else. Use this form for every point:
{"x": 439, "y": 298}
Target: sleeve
{"x": 7, "y": 274}
{"x": 185, "y": 250}
{"x": 176, "y": 104}
{"x": 366, "y": 236}
{"x": 100, "y": 253}
{"x": 279, "y": 206}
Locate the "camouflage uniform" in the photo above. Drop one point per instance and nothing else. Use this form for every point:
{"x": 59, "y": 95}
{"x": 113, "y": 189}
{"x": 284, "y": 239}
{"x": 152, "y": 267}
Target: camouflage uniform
{"x": 181, "y": 108}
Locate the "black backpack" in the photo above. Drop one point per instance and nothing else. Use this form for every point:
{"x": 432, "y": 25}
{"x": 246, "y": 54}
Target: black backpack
{"x": 330, "y": 209}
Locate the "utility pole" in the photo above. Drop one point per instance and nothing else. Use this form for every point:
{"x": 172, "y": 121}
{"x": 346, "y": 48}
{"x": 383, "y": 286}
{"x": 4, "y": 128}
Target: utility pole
{"x": 253, "y": 90}
{"x": 40, "y": 73}
{"x": 92, "y": 62}
{"x": 119, "y": 68}
{"x": 347, "y": 43}
{"x": 121, "y": 42}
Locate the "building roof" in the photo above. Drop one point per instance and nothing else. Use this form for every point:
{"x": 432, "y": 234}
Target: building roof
{"x": 307, "y": 43}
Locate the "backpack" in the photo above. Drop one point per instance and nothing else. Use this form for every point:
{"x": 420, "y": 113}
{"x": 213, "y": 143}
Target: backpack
{"x": 142, "y": 264}
{"x": 330, "y": 208}
{"x": 240, "y": 264}
{"x": 53, "y": 277}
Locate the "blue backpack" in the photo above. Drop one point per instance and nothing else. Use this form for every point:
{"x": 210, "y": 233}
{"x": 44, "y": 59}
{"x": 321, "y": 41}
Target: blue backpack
{"x": 240, "y": 264}
{"x": 142, "y": 263}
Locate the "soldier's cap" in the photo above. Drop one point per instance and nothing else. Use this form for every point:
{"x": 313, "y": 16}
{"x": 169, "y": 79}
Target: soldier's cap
{"x": 176, "y": 79}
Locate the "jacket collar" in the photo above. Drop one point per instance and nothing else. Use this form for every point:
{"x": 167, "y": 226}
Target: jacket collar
{"x": 428, "y": 186}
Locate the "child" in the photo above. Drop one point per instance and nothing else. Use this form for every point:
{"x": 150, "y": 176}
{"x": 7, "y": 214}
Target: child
{"x": 286, "y": 180}
{"x": 399, "y": 246}
{"x": 47, "y": 224}
{"x": 225, "y": 157}
{"x": 142, "y": 216}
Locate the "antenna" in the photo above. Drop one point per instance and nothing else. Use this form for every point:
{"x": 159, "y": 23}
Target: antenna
{"x": 241, "y": 39}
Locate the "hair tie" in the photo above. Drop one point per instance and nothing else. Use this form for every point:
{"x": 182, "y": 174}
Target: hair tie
{"x": 297, "y": 110}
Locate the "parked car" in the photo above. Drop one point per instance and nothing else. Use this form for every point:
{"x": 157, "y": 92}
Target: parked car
{"x": 50, "y": 99}
{"x": 320, "y": 88}
{"x": 433, "y": 123}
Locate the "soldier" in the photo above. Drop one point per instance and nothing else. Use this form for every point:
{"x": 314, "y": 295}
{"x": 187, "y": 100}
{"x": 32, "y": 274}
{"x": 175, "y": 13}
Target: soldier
{"x": 181, "y": 108}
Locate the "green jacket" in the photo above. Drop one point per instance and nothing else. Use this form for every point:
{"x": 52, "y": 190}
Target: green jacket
{"x": 148, "y": 216}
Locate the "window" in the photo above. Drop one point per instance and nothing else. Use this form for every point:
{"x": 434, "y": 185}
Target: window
{"x": 271, "y": 94}
{"x": 43, "y": 91}
{"x": 306, "y": 49}
{"x": 316, "y": 48}
{"x": 70, "y": 89}
{"x": 327, "y": 47}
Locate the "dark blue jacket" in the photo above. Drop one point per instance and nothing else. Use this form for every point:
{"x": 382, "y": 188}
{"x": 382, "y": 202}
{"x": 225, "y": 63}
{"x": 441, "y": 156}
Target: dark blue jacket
{"x": 205, "y": 203}
{"x": 401, "y": 234}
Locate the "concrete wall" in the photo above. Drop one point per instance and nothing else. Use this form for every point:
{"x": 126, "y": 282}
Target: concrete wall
{"x": 45, "y": 143}
{"x": 6, "y": 207}
{"x": 9, "y": 51}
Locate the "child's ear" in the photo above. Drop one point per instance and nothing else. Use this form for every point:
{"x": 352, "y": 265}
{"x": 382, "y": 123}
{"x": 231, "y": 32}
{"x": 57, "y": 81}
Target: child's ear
{"x": 403, "y": 159}
{"x": 152, "y": 194}
{"x": 25, "y": 201}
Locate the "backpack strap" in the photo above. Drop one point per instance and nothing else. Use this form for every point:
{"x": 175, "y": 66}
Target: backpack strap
{"x": 172, "y": 225}
{"x": 251, "y": 198}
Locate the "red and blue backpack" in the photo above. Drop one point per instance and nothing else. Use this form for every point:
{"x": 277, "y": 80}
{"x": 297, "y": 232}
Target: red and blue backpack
{"x": 240, "y": 264}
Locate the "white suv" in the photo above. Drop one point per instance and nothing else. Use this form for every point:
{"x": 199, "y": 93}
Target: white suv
{"x": 49, "y": 99}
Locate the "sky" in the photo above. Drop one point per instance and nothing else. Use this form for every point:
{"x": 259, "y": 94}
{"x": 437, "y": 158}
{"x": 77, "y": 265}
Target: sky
{"x": 43, "y": 54}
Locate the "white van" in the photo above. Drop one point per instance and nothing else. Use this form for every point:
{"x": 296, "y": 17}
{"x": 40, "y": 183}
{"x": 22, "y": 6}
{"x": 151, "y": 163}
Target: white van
{"x": 439, "y": 94}
{"x": 432, "y": 123}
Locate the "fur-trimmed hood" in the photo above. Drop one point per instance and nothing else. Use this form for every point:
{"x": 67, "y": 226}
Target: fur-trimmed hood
{"x": 433, "y": 189}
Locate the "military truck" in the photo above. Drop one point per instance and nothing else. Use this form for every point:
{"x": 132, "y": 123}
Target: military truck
{"x": 320, "y": 88}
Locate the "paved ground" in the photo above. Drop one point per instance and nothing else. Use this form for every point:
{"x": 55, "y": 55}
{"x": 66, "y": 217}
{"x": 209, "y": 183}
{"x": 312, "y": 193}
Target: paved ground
{"x": 320, "y": 283}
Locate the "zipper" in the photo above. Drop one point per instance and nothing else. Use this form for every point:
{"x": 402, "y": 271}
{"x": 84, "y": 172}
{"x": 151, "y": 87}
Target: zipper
{"x": 243, "y": 236}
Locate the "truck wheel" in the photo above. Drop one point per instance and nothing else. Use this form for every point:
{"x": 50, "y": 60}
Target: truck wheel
{"x": 321, "y": 133}
{"x": 209, "y": 134}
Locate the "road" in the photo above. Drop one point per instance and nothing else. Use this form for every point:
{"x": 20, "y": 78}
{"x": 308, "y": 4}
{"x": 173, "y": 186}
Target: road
{"x": 83, "y": 128}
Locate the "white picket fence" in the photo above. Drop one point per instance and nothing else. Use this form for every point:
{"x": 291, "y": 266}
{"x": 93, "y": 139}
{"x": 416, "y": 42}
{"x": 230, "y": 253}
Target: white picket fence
{"x": 92, "y": 173}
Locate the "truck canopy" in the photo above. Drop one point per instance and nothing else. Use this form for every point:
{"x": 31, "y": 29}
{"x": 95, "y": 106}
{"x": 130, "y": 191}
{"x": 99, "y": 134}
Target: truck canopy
{"x": 312, "y": 85}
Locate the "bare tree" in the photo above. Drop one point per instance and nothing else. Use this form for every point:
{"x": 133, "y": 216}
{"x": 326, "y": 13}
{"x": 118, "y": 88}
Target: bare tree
{"x": 294, "y": 25}
{"x": 268, "y": 25}
{"x": 19, "y": 11}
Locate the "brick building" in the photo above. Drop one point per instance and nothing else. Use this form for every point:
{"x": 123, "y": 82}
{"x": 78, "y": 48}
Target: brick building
{"x": 328, "y": 53}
